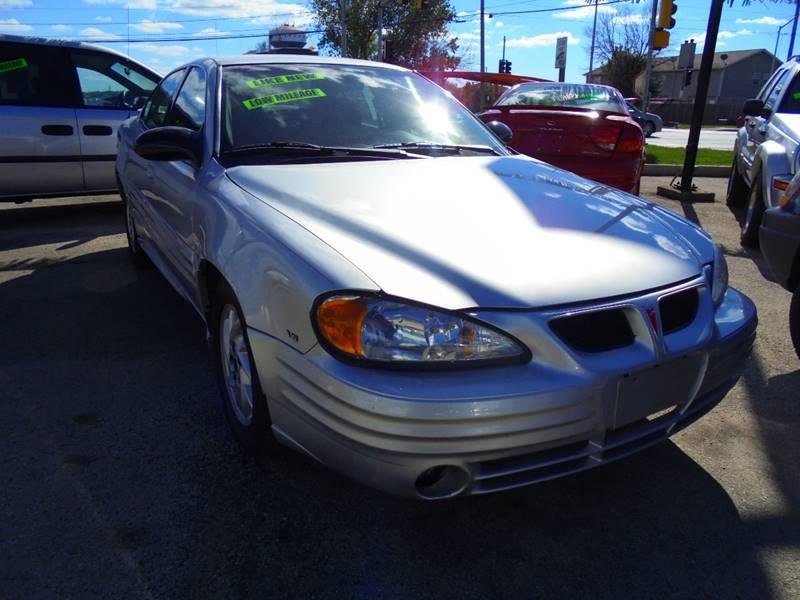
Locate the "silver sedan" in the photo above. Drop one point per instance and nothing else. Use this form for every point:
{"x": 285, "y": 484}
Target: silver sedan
{"x": 392, "y": 292}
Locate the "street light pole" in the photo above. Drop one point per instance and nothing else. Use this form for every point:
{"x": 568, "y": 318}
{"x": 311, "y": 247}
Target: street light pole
{"x": 343, "y": 11}
{"x": 777, "y": 41}
{"x": 794, "y": 29}
{"x": 483, "y": 52}
{"x": 649, "y": 67}
{"x": 594, "y": 29}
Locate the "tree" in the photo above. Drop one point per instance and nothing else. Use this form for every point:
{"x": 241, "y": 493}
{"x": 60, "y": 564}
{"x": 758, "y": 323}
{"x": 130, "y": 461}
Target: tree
{"x": 621, "y": 42}
{"x": 414, "y": 38}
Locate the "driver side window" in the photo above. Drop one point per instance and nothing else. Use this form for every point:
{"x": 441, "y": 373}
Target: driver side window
{"x": 109, "y": 82}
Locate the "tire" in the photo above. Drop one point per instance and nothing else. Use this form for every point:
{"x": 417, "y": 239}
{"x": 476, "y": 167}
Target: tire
{"x": 648, "y": 129}
{"x": 138, "y": 256}
{"x": 737, "y": 188}
{"x": 753, "y": 216}
{"x": 794, "y": 320}
{"x": 246, "y": 408}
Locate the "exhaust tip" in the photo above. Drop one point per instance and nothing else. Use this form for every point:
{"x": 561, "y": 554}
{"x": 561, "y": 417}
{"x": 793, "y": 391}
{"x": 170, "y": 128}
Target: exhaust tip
{"x": 443, "y": 481}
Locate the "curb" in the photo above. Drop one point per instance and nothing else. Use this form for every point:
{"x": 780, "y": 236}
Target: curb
{"x": 699, "y": 171}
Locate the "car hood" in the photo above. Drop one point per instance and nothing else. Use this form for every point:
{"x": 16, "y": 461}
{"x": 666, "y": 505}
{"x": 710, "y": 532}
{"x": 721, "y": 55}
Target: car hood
{"x": 495, "y": 232}
{"x": 788, "y": 123}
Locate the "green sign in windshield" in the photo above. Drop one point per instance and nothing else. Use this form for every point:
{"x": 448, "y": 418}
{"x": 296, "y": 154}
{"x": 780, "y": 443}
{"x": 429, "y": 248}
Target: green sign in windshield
{"x": 292, "y": 96}
{"x": 282, "y": 79}
{"x": 13, "y": 65}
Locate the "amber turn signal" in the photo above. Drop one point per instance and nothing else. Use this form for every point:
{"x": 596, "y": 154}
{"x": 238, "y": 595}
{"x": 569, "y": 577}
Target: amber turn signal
{"x": 340, "y": 320}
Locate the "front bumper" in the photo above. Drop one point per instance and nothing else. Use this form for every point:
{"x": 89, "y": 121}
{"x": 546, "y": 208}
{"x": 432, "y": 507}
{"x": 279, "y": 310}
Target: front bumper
{"x": 500, "y": 428}
{"x": 779, "y": 238}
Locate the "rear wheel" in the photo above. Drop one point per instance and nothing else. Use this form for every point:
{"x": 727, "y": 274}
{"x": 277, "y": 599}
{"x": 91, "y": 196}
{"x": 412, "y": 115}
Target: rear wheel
{"x": 246, "y": 407}
{"x": 794, "y": 320}
{"x": 752, "y": 219}
{"x": 737, "y": 188}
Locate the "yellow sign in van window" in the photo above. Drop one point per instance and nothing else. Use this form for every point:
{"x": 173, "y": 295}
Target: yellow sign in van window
{"x": 282, "y": 79}
{"x": 13, "y": 65}
{"x": 292, "y": 96}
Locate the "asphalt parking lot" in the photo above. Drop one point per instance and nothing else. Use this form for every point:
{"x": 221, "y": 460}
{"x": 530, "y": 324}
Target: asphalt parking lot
{"x": 118, "y": 477}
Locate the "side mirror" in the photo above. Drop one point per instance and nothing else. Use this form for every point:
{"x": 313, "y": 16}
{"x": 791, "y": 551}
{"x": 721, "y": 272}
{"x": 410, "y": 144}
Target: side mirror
{"x": 501, "y": 130}
{"x": 169, "y": 143}
{"x": 753, "y": 108}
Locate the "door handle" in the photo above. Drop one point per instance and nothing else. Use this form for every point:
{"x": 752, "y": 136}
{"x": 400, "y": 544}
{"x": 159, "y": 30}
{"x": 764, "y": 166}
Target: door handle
{"x": 57, "y": 129}
{"x": 97, "y": 130}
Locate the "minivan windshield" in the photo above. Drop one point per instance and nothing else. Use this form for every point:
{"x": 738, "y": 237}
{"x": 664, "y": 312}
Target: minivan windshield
{"x": 343, "y": 105}
{"x": 565, "y": 95}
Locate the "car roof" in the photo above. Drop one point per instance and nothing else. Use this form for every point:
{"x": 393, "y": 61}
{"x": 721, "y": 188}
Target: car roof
{"x": 40, "y": 41}
{"x": 267, "y": 59}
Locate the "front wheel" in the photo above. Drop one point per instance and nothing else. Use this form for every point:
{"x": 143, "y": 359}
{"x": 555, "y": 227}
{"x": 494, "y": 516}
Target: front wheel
{"x": 648, "y": 129}
{"x": 794, "y": 320}
{"x": 245, "y": 404}
{"x": 752, "y": 219}
{"x": 137, "y": 254}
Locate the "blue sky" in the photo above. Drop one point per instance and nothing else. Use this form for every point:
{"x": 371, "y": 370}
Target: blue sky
{"x": 171, "y": 32}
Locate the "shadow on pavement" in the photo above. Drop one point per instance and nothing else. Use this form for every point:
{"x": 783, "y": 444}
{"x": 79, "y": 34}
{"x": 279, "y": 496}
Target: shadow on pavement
{"x": 119, "y": 479}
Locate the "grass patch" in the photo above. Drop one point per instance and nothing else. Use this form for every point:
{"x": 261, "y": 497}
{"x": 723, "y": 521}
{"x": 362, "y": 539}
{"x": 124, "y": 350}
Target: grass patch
{"x": 661, "y": 155}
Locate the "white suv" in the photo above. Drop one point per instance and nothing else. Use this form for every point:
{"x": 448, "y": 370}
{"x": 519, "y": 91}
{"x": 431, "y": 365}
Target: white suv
{"x": 766, "y": 149}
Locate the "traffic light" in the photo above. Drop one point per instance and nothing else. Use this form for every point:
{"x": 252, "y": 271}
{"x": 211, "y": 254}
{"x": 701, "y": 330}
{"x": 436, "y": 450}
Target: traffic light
{"x": 666, "y": 21}
{"x": 504, "y": 66}
{"x": 665, "y": 15}
{"x": 660, "y": 39}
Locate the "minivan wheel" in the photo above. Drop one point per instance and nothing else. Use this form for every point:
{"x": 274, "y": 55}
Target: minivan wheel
{"x": 246, "y": 407}
{"x": 794, "y": 320}
{"x": 737, "y": 188}
{"x": 752, "y": 219}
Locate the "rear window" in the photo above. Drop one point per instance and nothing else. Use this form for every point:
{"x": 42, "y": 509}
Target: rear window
{"x": 34, "y": 75}
{"x": 566, "y": 95}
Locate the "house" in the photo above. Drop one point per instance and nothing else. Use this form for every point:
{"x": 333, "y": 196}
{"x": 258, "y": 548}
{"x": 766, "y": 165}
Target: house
{"x": 736, "y": 75}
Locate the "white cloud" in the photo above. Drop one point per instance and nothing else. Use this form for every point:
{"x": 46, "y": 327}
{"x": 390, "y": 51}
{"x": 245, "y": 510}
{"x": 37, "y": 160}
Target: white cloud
{"x": 542, "y": 40}
{"x": 285, "y": 11}
{"x": 761, "y": 21}
{"x": 583, "y": 11}
{"x": 211, "y": 31}
{"x": 97, "y": 32}
{"x": 700, "y": 38}
{"x": 469, "y": 36}
{"x": 103, "y": 19}
{"x": 13, "y": 26}
{"x": 164, "y": 49}
{"x": 498, "y": 23}
{"x": 15, "y": 3}
{"x": 133, "y": 4}
{"x": 156, "y": 26}
{"x": 60, "y": 28}
{"x": 631, "y": 19}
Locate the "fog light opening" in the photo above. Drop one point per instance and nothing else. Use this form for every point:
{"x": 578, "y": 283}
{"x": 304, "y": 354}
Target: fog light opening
{"x": 443, "y": 481}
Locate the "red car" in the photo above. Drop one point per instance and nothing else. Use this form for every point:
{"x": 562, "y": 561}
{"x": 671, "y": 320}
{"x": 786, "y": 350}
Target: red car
{"x": 583, "y": 128}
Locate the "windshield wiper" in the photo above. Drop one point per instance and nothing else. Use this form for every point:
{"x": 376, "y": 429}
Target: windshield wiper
{"x": 312, "y": 149}
{"x": 434, "y": 146}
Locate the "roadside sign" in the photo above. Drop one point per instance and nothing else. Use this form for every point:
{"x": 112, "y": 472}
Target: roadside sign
{"x": 686, "y": 56}
{"x": 561, "y": 53}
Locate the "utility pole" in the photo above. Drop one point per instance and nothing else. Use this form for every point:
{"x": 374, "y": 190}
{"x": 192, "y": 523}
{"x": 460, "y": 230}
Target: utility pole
{"x": 380, "y": 31}
{"x": 594, "y": 29}
{"x": 649, "y": 67}
{"x": 686, "y": 191}
{"x": 794, "y": 29}
{"x": 777, "y": 41}
{"x": 483, "y": 52}
{"x": 343, "y": 11}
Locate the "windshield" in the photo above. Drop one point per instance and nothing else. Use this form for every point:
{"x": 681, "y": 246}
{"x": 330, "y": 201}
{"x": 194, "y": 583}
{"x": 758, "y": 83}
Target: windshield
{"x": 339, "y": 105}
{"x": 567, "y": 95}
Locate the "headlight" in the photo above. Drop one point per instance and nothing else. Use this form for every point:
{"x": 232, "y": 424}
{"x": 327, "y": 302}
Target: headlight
{"x": 719, "y": 276}
{"x": 362, "y": 327}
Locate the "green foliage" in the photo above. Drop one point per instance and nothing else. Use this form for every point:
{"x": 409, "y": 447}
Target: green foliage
{"x": 674, "y": 156}
{"x": 414, "y": 38}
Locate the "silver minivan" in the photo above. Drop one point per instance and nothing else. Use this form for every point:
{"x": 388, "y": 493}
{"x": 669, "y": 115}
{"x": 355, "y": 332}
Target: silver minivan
{"x": 60, "y": 106}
